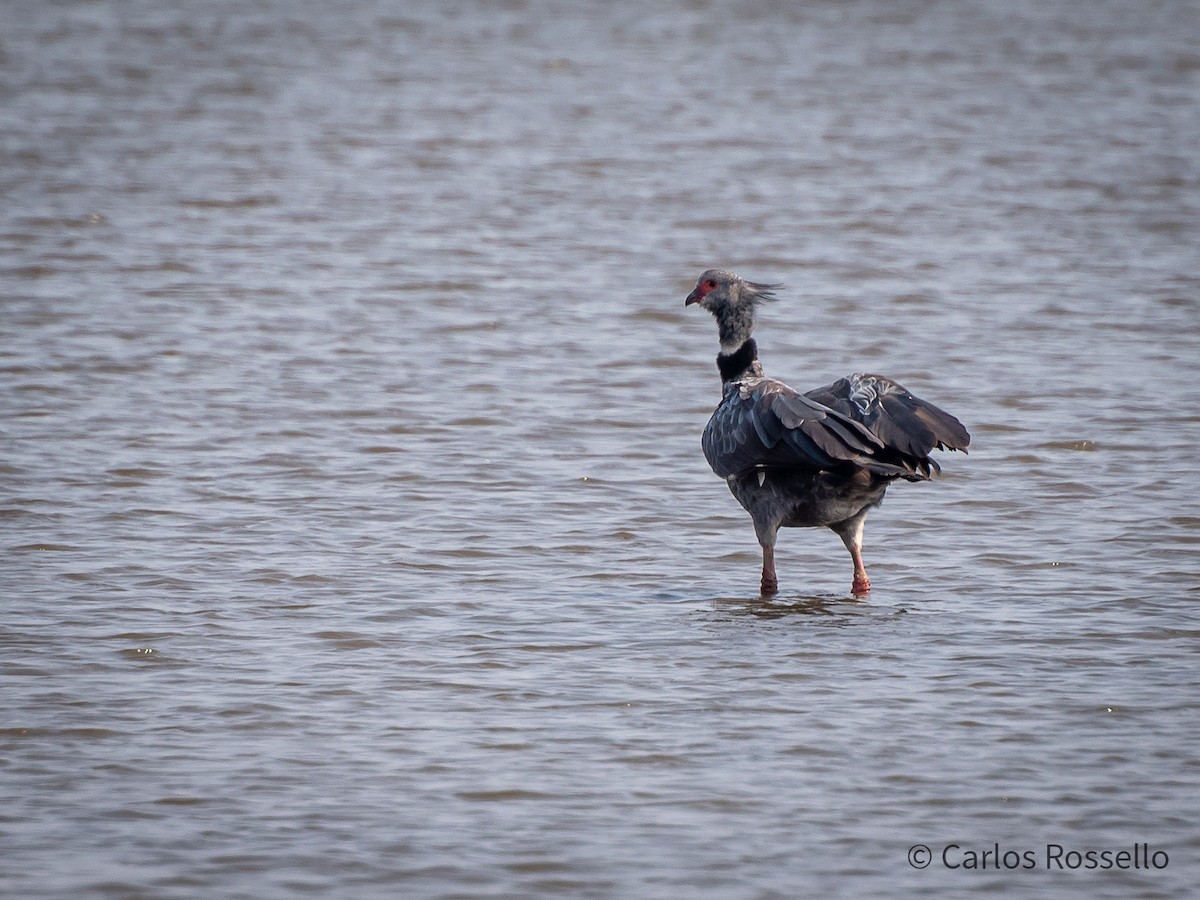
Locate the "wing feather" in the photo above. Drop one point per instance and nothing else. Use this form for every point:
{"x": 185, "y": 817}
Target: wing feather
{"x": 762, "y": 422}
{"x": 903, "y": 422}
{"x": 864, "y": 420}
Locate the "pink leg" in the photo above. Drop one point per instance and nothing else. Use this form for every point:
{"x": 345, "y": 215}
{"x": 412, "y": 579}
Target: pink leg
{"x": 769, "y": 583}
{"x": 862, "y": 584}
{"x": 851, "y": 532}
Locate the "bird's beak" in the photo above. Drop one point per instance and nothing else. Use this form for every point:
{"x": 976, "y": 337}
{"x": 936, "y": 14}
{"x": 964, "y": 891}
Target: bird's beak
{"x": 693, "y": 297}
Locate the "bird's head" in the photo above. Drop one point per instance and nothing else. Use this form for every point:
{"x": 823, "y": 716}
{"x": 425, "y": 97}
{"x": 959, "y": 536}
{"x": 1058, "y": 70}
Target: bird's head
{"x": 732, "y": 300}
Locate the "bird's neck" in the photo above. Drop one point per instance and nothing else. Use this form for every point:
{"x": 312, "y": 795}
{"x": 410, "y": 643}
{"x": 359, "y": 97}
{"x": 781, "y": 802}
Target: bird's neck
{"x": 734, "y": 325}
{"x": 741, "y": 362}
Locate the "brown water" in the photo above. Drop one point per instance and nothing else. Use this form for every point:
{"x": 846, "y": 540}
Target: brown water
{"x": 356, "y": 536}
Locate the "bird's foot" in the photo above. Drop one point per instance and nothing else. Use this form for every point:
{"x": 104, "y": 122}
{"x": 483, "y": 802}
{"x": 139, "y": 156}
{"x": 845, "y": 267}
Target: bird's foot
{"x": 769, "y": 587}
{"x": 862, "y": 585}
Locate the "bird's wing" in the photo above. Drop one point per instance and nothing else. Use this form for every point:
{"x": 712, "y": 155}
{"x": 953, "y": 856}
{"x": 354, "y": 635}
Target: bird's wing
{"x": 904, "y": 424}
{"x": 763, "y": 422}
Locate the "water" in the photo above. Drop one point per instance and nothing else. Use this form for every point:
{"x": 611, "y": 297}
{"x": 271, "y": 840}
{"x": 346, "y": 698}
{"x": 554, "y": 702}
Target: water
{"x": 356, "y": 536}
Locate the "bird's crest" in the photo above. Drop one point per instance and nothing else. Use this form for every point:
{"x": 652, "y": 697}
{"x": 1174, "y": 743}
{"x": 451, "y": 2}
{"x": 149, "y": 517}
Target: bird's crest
{"x": 759, "y": 292}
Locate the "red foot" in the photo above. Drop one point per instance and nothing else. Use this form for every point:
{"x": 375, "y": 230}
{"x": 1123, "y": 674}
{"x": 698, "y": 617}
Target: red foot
{"x": 769, "y": 587}
{"x": 861, "y": 585}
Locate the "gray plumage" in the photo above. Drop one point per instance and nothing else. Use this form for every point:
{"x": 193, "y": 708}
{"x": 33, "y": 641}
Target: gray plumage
{"x": 823, "y": 458}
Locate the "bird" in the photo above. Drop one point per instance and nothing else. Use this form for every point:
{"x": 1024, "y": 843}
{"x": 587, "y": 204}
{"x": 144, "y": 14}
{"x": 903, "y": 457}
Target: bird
{"x": 820, "y": 459}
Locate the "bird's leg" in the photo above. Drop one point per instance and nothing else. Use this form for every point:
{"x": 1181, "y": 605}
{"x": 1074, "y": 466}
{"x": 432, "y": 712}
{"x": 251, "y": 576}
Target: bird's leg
{"x": 770, "y": 585}
{"x": 766, "y": 529}
{"x": 862, "y": 584}
{"x": 851, "y": 533}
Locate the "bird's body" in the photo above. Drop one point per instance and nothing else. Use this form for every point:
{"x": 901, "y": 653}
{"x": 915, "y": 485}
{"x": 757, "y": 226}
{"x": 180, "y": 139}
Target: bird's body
{"x": 821, "y": 459}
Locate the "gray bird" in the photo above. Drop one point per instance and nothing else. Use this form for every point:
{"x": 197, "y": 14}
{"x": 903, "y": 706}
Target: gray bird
{"x": 824, "y": 458}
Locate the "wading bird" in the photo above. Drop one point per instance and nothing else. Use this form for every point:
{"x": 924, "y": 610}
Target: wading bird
{"x": 824, "y": 458}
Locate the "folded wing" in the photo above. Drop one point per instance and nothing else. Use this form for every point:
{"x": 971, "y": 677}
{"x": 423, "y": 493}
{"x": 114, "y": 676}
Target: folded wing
{"x": 903, "y": 422}
{"x": 864, "y": 420}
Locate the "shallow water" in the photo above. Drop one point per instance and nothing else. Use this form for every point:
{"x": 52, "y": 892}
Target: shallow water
{"x": 356, "y": 536}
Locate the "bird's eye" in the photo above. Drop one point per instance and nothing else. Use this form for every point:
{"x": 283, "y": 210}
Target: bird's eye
{"x": 709, "y": 285}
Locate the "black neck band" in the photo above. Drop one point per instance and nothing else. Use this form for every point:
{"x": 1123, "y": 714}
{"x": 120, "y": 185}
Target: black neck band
{"x": 731, "y": 365}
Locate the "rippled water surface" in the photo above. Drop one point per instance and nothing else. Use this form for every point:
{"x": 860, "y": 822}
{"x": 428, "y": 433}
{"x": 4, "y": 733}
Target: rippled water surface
{"x": 356, "y": 536}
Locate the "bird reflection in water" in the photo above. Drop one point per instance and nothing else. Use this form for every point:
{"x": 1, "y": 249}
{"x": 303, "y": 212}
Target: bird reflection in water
{"x": 840, "y": 609}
